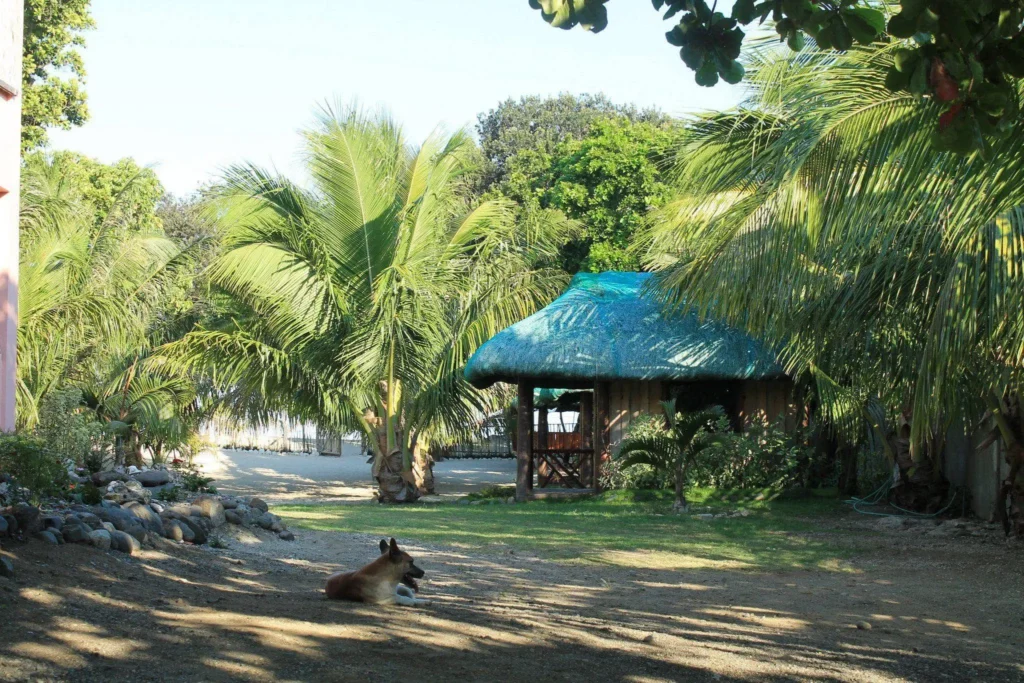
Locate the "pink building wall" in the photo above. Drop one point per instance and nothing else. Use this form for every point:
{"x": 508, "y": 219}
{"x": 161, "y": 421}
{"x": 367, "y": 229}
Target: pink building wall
{"x": 11, "y": 18}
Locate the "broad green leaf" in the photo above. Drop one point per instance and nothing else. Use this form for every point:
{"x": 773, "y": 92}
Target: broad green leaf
{"x": 707, "y": 74}
{"x": 902, "y": 26}
{"x": 866, "y": 25}
{"x": 733, "y": 73}
{"x": 592, "y": 15}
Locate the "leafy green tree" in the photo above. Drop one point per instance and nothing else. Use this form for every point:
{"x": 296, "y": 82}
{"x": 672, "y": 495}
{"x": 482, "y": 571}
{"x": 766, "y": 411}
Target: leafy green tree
{"x": 607, "y": 180}
{"x": 186, "y": 222}
{"x": 967, "y": 56}
{"x": 818, "y": 218}
{"x": 52, "y": 68}
{"x": 122, "y": 195}
{"x": 358, "y": 303}
{"x": 674, "y": 446}
{"x": 533, "y": 127}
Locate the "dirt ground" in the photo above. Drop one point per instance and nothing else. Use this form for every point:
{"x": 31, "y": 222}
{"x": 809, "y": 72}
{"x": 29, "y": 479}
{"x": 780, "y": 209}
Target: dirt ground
{"x": 303, "y": 478}
{"x": 930, "y": 610}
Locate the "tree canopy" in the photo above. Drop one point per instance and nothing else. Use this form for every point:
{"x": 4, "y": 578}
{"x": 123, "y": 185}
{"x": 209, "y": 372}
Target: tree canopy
{"x": 967, "y": 56}
{"x": 122, "y": 194}
{"x": 585, "y": 156}
{"x": 608, "y": 181}
{"x": 52, "y": 70}
{"x": 538, "y": 125}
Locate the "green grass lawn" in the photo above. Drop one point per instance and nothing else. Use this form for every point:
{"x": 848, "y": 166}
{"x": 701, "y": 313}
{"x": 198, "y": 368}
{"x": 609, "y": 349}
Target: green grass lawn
{"x": 634, "y": 529}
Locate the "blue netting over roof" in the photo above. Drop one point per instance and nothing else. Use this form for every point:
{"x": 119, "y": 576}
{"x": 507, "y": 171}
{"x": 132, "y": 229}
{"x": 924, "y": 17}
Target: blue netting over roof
{"x": 606, "y": 327}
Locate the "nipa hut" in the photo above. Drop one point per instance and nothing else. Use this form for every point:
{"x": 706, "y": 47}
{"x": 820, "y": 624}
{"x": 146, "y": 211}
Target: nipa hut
{"x": 609, "y": 337}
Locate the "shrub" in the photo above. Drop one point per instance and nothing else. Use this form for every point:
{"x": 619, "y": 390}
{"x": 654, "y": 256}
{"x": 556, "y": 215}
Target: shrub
{"x": 170, "y": 494}
{"x": 765, "y": 456}
{"x": 91, "y": 494}
{"x": 192, "y": 480}
{"x": 614, "y": 475}
{"x": 35, "y": 471}
{"x": 873, "y": 468}
{"x": 73, "y": 432}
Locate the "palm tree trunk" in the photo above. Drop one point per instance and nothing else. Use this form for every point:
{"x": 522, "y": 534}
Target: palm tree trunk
{"x": 1010, "y": 499}
{"x": 134, "y": 453}
{"x": 394, "y": 484}
{"x": 680, "y": 505}
{"x": 423, "y": 470}
{"x": 389, "y": 408}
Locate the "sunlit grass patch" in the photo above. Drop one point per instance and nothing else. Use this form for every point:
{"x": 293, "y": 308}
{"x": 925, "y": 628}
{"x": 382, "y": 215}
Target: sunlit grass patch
{"x": 620, "y": 528}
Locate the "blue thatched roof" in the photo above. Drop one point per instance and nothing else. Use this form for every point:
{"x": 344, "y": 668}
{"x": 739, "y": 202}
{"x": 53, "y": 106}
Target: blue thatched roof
{"x": 605, "y": 327}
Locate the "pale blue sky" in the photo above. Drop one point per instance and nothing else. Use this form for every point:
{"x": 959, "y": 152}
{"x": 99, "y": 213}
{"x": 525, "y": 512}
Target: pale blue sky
{"x": 190, "y": 86}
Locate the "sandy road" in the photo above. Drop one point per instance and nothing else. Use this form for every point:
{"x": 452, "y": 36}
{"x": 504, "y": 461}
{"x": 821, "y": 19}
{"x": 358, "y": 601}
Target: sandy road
{"x": 280, "y": 477}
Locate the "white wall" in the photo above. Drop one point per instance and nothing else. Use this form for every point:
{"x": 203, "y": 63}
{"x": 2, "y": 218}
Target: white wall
{"x": 11, "y": 12}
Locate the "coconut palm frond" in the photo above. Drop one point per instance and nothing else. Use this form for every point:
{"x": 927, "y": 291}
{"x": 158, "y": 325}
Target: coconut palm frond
{"x": 821, "y": 219}
{"x": 359, "y": 302}
{"x": 657, "y": 450}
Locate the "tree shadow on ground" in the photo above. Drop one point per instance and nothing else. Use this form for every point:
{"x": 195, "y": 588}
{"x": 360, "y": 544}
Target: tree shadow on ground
{"x": 194, "y": 614}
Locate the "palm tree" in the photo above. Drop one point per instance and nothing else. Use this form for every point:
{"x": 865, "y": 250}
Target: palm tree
{"x": 673, "y": 448}
{"x": 356, "y": 303}
{"x": 88, "y": 290}
{"x": 819, "y": 217}
{"x": 146, "y": 406}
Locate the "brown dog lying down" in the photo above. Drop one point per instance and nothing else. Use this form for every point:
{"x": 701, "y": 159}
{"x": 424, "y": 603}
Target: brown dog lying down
{"x": 409, "y": 578}
{"x": 381, "y": 581}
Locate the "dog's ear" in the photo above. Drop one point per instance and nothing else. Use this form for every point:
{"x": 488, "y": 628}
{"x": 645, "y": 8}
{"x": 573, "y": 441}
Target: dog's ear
{"x": 383, "y": 546}
{"x": 394, "y": 551}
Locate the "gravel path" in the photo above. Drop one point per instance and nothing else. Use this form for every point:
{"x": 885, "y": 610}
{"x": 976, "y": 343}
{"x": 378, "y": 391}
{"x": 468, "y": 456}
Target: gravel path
{"x": 296, "y": 477}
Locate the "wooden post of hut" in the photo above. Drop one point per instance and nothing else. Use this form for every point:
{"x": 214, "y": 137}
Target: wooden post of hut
{"x": 524, "y": 445}
{"x": 600, "y": 440}
{"x": 585, "y": 427}
{"x": 543, "y": 469}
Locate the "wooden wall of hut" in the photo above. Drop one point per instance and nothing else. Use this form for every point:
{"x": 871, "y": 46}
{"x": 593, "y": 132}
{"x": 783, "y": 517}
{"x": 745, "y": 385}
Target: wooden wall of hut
{"x": 767, "y": 399}
{"x": 630, "y": 400}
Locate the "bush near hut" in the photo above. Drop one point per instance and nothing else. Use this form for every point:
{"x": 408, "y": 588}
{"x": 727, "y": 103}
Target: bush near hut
{"x": 764, "y": 457}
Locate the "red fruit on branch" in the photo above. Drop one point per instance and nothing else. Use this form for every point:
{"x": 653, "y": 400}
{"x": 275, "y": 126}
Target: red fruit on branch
{"x": 947, "y": 118}
{"x": 946, "y": 89}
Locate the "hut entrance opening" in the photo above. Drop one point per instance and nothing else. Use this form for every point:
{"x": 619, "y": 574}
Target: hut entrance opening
{"x": 693, "y": 396}
{"x": 561, "y": 447}
{"x": 555, "y": 442}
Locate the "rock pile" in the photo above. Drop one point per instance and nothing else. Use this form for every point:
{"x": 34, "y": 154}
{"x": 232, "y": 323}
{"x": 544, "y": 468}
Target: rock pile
{"x": 128, "y": 519}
